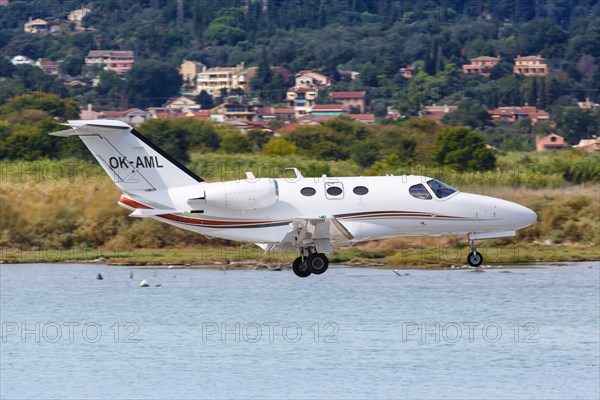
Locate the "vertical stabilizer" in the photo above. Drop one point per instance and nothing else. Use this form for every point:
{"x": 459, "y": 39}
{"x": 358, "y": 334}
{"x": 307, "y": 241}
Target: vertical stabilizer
{"x": 130, "y": 159}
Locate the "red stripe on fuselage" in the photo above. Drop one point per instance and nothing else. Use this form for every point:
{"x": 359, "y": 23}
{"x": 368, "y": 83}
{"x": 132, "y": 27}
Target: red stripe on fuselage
{"x": 197, "y": 221}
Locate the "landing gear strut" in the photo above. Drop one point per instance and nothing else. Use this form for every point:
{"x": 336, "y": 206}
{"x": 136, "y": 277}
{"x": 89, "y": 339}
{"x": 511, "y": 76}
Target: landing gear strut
{"x": 310, "y": 262}
{"x": 474, "y": 259}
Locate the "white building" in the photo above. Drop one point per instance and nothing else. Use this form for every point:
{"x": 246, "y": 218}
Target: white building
{"x": 20, "y": 60}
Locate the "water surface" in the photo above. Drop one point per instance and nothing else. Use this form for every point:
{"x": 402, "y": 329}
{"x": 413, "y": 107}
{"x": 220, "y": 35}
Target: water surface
{"x": 350, "y": 333}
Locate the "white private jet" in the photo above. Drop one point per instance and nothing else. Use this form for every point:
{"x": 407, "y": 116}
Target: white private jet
{"x": 309, "y": 215}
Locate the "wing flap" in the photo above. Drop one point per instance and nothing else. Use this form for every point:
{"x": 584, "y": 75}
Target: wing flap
{"x": 320, "y": 232}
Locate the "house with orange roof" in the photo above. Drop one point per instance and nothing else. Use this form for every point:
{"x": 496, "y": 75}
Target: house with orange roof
{"x": 530, "y": 66}
{"x": 513, "y": 114}
{"x": 351, "y": 99}
{"x": 182, "y": 104}
{"x": 366, "y": 118}
{"x": 48, "y": 66}
{"x": 550, "y": 142}
{"x": 436, "y": 113}
{"x": 202, "y": 114}
{"x": 132, "y": 116}
{"x": 328, "y": 110}
{"x": 481, "y": 65}
{"x": 113, "y": 60}
{"x": 291, "y": 127}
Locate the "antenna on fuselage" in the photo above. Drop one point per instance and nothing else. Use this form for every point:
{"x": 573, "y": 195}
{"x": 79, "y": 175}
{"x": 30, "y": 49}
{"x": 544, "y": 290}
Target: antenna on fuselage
{"x": 297, "y": 172}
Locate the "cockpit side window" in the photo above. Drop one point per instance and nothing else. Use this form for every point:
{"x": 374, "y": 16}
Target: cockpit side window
{"x": 440, "y": 189}
{"x": 419, "y": 192}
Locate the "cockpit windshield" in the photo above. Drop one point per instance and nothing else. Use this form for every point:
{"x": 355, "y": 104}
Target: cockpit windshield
{"x": 440, "y": 189}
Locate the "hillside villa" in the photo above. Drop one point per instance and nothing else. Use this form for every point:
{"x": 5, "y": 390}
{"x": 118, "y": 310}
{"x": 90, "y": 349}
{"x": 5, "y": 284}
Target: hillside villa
{"x": 530, "y": 66}
{"x": 37, "y": 25}
{"x": 213, "y": 80}
{"x": 112, "y": 60}
{"x": 481, "y": 65}
{"x": 350, "y": 99}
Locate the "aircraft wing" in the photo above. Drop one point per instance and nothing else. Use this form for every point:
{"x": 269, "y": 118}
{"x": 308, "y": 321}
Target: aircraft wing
{"x": 322, "y": 232}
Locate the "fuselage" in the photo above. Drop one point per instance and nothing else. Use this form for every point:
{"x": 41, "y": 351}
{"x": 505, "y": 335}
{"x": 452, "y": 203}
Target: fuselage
{"x": 369, "y": 207}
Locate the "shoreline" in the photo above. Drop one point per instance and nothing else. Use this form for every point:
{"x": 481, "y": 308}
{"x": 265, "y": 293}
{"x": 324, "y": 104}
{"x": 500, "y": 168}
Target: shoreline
{"x": 236, "y": 258}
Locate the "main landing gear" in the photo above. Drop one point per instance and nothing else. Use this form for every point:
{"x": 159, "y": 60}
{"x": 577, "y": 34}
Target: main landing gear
{"x": 474, "y": 259}
{"x": 310, "y": 263}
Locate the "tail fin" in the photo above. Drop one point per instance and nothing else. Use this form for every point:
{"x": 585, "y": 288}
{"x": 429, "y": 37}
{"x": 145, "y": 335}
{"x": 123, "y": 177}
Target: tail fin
{"x": 130, "y": 159}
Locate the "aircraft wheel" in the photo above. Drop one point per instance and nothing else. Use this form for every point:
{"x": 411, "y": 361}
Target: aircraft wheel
{"x": 317, "y": 263}
{"x": 300, "y": 268}
{"x": 475, "y": 259}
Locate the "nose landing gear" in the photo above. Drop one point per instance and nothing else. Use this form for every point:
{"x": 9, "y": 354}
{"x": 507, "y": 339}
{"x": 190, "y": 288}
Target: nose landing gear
{"x": 474, "y": 259}
{"x": 313, "y": 263}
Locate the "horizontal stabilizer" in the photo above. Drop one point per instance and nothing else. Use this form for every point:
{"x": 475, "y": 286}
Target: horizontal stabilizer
{"x": 66, "y": 132}
{"x": 144, "y": 212}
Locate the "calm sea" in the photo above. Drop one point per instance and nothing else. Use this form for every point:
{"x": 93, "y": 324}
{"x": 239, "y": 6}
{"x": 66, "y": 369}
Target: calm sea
{"x": 350, "y": 333}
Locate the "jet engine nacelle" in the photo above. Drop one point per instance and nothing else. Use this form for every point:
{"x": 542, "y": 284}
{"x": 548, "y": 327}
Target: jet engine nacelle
{"x": 242, "y": 195}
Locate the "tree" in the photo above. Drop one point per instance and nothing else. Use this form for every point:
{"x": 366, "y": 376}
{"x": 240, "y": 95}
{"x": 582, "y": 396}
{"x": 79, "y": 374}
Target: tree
{"x": 6, "y": 67}
{"x": 235, "y": 142}
{"x": 205, "y": 100}
{"x": 72, "y": 66}
{"x": 279, "y": 147}
{"x": 151, "y": 83}
{"x": 365, "y": 152}
{"x": 368, "y": 75}
{"x": 542, "y": 36}
{"x": 469, "y": 113}
{"x": 170, "y": 137}
{"x": 463, "y": 150}
{"x": 263, "y": 74}
{"x": 258, "y": 138}
{"x": 52, "y": 104}
{"x": 574, "y": 123}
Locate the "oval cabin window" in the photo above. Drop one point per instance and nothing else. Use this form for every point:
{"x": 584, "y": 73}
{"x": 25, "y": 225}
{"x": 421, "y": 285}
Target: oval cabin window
{"x": 308, "y": 191}
{"x": 360, "y": 190}
{"x": 334, "y": 191}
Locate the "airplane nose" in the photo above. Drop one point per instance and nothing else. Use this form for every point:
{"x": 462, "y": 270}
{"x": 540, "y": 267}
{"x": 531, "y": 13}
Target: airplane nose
{"x": 521, "y": 216}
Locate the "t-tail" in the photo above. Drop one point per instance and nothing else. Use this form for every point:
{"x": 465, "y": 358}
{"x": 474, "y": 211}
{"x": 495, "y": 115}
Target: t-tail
{"x": 133, "y": 162}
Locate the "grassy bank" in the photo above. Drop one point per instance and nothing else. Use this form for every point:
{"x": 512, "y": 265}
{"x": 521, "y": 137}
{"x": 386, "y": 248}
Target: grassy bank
{"x": 411, "y": 255}
{"x": 54, "y": 211}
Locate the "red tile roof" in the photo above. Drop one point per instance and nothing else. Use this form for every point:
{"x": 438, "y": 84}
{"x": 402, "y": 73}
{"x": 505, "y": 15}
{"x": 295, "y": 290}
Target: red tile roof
{"x": 202, "y": 114}
{"x": 288, "y": 110}
{"x": 328, "y": 107}
{"x": 288, "y": 128}
{"x": 362, "y": 117}
{"x": 348, "y": 95}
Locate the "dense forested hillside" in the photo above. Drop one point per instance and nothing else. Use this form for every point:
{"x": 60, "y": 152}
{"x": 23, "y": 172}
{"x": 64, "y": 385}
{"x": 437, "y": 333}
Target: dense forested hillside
{"x": 375, "y": 38}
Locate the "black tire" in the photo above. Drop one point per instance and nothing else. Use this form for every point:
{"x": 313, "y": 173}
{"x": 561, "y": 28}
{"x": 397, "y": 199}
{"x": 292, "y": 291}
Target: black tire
{"x": 300, "y": 268}
{"x": 317, "y": 263}
{"x": 475, "y": 259}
